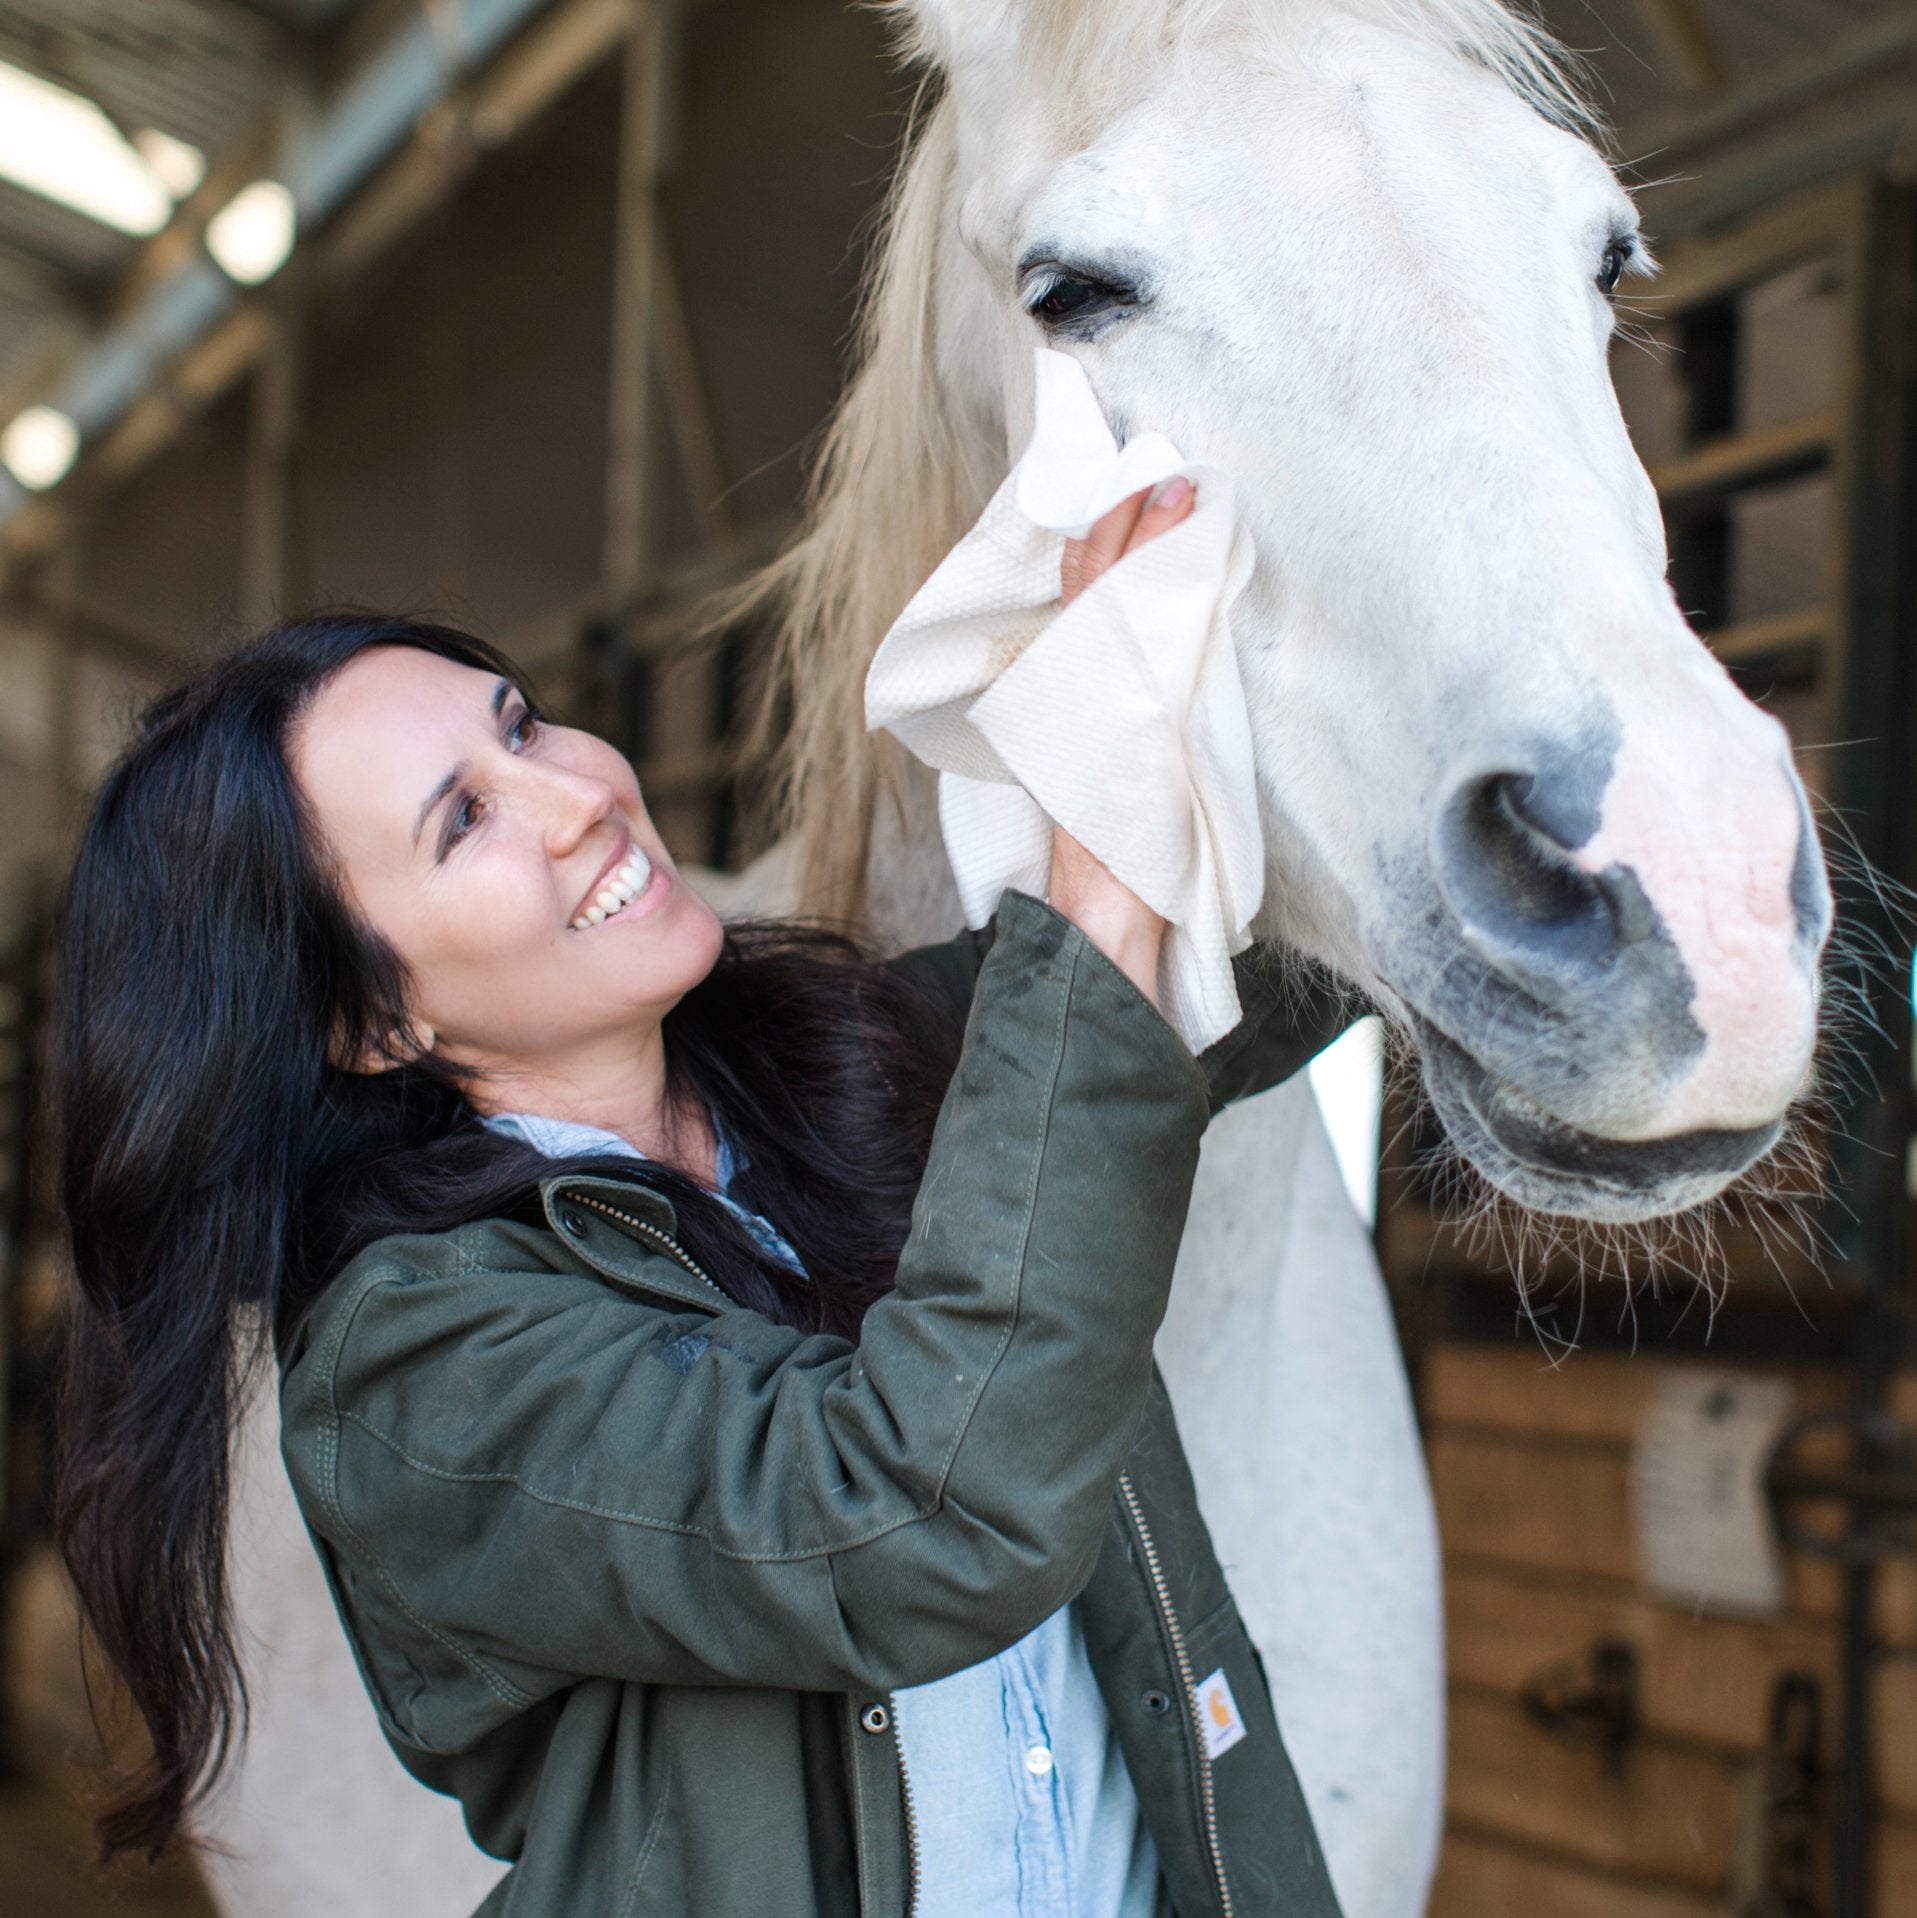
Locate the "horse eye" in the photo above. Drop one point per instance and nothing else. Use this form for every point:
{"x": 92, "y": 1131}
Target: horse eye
{"x": 1611, "y": 268}
{"x": 1071, "y": 299}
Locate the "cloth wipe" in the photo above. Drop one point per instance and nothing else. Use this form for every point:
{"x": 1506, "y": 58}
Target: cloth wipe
{"x": 1121, "y": 717}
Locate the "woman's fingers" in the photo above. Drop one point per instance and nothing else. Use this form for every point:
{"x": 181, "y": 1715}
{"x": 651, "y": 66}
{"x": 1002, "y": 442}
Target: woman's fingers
{"x": 1164, "y": 508}
{"x": 1086, "y": 558}
{"x": 1133, "y": 521}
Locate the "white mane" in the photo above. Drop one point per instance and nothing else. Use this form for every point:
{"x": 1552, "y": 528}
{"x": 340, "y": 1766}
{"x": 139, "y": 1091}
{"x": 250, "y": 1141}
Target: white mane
{"x": 905, "y": 467}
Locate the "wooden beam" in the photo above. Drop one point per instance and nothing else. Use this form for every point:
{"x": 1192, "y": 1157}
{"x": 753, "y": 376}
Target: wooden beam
{"x": 1881, "y": 47}
{"x": 267, "y": 585}
{"x": 1817, "y": 222}
{"x": 625, "y": 565}
{"x": 1794, "y": 641}
{"x": 1668, "y": 1813}
{"x": 1484, "y": 1874}
{"x": 1517, "y": 1502}
{"x": 1735, "y": 461}
{"x": 1704, "y": 1679}
{"x": 683, "y": 387}
{"x": 1684, "y": 39}
{"x": 505, "y": 98}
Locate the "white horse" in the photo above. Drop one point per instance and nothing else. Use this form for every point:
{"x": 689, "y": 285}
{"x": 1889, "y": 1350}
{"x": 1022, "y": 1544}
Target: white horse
{"x": 1358, "y": 253}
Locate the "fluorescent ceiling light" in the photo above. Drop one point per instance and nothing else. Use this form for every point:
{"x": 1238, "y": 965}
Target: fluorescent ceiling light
{"x": 39, "y": 447}
{"x": 253, "y": 233}
{"x": 178, "y": 167}
{"x": 61, "y": 146}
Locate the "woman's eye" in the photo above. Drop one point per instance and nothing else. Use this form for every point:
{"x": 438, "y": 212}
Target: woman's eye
{"x": 464, "y": 819}
{"x": 1617, "y": 256}
{"x": 524, "y": 730}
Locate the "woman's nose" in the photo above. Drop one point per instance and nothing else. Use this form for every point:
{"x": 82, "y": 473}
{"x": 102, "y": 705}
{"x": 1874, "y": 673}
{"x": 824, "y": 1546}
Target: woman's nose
{"x": 574, "y": 804}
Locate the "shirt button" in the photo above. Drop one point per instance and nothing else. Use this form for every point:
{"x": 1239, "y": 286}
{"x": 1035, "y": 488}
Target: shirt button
{"x": 1038, "y": 1761}
{"x": 573, "y": 1223}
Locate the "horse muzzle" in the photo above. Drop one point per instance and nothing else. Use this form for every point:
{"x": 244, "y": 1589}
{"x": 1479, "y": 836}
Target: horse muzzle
{"x": 1615, "y": 994}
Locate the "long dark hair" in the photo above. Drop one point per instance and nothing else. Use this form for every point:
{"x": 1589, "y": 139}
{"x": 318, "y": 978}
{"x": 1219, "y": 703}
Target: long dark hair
{"x": 218, "y": 1169}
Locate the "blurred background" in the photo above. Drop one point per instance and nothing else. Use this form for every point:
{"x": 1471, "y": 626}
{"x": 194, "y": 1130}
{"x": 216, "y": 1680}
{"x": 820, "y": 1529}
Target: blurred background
{"x": 526, "y": 313}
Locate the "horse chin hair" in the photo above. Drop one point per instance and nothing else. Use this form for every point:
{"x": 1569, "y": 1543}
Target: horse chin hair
{"x": 1547, "y": 1166}
{"x": 1566, "y": 1266}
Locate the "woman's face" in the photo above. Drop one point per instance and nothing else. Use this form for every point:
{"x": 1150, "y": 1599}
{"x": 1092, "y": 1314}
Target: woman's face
{"x": 485, "y": 846}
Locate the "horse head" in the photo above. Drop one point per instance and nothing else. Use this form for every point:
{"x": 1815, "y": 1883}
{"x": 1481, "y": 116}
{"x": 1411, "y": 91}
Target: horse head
{"x": 1361, "y": 255}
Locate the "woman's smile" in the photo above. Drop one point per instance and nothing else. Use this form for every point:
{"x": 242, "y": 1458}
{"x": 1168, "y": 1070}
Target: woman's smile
{"x": 631, "y": 885}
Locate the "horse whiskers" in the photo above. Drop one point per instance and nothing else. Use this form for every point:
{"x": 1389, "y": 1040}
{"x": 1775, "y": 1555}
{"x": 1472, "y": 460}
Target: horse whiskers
{"x": 1774, "y": 1207}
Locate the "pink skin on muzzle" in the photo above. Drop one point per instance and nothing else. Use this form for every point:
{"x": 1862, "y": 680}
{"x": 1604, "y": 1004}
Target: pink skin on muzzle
{"x": 1704, "y": 808}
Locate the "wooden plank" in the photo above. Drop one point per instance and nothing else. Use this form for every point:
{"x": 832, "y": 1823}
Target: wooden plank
{"x": 1814, "y": 223}
{"x": 1419, "y": 1243}
{"x": 1895, "y": 1716}
{"x": 1684, "y": 38}
{"x": 1668, "y": 1813}
{"x": 1738, "y": 460}
{"x": 1705, "y": 1678}
{"x": 1481, "y": 1876}
{"x": 629, "y": 535}
{"x": 1508, "y": 1500}
{"x": 1799, "y": 637}
{"x": 1897, "y": 1868}
{"x": 1765, "y": 98}
{"x": 1589, "y": 1395}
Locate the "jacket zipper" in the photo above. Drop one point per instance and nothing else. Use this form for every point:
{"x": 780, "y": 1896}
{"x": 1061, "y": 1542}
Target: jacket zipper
{"x": 676, "y": 1252}
{"x": 1181, "y": 1653}
{"x": 663, "y": 1241}
{"x": 911, "y": 1814}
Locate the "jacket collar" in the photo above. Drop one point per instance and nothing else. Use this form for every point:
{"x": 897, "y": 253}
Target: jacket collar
{"x": 627, "y": 1233}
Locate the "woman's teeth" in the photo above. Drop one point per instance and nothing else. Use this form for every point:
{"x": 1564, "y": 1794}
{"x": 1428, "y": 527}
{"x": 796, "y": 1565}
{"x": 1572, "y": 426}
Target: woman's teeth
{"x": 623, "y": 885}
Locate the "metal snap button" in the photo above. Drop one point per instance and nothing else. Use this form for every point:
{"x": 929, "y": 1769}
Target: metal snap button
{"x": 1156, "y": 1702}
{"x": 574, "y": 1222}
{"x": 875, "y": 1718}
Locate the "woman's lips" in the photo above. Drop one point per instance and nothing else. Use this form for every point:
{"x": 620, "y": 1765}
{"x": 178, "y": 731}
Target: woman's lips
{"x": 632, "y": 880}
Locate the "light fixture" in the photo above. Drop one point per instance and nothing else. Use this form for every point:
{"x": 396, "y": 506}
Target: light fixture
{"x": 178, "y": 167}
{"x": 39, "y": 447}
{"x": 253, "y": 233}
{"x": 61, "y": 146}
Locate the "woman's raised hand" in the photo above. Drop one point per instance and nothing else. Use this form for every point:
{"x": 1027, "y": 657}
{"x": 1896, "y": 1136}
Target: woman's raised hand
{"x": 1123, "y": 530}
{"x": 1108, "y": 912}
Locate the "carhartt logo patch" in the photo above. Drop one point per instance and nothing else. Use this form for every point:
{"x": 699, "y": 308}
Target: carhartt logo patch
{"x": 1218, "y": 1714}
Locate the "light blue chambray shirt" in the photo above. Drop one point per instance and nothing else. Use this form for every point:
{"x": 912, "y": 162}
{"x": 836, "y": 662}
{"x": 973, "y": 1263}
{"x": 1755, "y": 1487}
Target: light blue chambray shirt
{"x": 1020, "y": 1796}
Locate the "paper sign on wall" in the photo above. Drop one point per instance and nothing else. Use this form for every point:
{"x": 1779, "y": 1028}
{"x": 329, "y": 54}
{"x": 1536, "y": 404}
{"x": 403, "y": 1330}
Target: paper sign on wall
{"x": 1704, "y": 1533}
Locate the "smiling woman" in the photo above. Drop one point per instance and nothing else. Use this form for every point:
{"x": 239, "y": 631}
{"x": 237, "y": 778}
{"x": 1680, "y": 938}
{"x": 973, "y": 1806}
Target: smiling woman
{"x": 716, "y": 1368}
{"x": 526, "y": 892}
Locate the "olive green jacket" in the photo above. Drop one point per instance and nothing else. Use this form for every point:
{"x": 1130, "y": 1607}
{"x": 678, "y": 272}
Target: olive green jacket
{"x": 634, "y": 1572}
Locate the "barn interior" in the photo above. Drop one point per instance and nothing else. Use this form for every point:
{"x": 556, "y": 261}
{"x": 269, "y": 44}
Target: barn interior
{"x": 530, "y": 313}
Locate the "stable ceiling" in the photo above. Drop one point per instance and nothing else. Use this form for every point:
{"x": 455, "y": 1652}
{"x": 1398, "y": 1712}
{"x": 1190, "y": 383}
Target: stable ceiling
{"x": 210, "y": 72}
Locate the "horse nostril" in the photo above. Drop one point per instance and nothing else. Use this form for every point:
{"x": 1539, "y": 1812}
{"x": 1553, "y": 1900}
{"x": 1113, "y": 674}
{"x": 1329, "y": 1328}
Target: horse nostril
{"x": 1505, "y": 857}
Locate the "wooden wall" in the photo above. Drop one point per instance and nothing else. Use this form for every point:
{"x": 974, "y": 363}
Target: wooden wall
{"x": 1531, "y": 1465}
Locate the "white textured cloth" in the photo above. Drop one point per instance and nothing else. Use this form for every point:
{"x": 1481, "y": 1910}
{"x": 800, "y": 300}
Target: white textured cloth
{"x": 1121, "y": 717}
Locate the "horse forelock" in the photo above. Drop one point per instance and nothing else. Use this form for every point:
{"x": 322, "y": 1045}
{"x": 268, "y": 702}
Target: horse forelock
{"x": 908, "y": 462}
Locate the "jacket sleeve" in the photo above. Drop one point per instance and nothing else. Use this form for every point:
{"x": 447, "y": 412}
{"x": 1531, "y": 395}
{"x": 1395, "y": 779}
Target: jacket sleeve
{"x": 1290, "y": 1015}
{"x": 557, "y": 1481}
